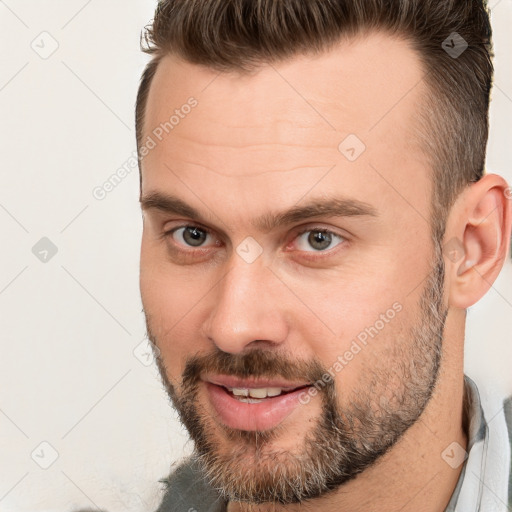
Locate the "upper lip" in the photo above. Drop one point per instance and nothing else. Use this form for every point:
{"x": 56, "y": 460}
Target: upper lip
{"x": 228, "y": 381}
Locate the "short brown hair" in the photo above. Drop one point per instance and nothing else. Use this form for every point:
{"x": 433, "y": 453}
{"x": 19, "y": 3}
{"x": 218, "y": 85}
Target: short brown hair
{"x": 240, "y": 35}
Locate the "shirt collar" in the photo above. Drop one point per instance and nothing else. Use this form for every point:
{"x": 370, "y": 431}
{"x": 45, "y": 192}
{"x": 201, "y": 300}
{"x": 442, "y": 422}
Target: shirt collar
{"x": 475, "y": 427}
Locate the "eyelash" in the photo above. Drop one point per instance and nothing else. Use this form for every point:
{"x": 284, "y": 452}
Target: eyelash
{"x": 313, "y": 256}
{"x": 170, "y": 232}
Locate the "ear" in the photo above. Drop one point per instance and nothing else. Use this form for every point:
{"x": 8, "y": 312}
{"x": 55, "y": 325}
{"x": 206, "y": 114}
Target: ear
{"x": 477, "y": 239}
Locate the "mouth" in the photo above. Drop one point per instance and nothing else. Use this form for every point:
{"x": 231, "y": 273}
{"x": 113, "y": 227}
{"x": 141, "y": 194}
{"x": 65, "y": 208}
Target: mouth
{"x": 252, "y": 405}
{"x": 257, "y": 395}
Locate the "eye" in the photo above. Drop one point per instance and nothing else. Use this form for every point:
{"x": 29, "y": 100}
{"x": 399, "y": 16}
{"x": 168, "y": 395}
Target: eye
{"x": 191, "y": 236}
{"x": 318, "y": 240}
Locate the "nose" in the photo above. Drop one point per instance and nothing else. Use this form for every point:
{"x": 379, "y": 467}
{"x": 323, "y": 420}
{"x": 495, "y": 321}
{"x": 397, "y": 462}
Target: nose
{"x": 246, "y": 309}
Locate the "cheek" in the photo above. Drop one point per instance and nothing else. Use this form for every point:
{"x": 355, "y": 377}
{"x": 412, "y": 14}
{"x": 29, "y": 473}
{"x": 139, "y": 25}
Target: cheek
{"x": 341, "y": 304}
{"x": 353, "y": 325}
{"x": 167, "y": 290}
{"x": 171, "y": 299}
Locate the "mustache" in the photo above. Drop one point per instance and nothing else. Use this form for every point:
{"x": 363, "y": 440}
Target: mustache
{"x": 256, "y": 363}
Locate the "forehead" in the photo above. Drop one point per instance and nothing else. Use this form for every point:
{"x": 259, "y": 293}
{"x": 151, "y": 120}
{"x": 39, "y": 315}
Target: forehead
{"x": 289, "y": 117}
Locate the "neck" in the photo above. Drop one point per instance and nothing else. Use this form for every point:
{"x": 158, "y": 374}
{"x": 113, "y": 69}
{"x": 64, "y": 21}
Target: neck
{"x": 412, "y": 476}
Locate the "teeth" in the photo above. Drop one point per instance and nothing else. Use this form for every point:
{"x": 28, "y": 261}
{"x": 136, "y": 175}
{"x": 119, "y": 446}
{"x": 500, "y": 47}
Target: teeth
{"x": 240, "y": 392}
{"x": 274, "y": 391}
{"x": 256, "y": 392}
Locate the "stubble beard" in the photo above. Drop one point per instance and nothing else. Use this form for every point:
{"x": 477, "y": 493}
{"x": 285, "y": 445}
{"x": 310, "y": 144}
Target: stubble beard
{"x": 246, "y": 466}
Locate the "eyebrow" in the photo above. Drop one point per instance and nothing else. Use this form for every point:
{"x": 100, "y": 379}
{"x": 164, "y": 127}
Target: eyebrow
{"x": 328, "y": 207}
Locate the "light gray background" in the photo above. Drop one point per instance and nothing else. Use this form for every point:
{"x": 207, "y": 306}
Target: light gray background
{"x": 75, "y": 373}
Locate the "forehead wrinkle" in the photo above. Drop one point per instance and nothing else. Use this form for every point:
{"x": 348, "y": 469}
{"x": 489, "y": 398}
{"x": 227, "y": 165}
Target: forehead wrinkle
{"x": 256, "y": 173}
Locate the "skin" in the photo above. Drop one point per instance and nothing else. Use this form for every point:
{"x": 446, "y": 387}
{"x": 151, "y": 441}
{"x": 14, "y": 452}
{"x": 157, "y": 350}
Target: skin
{"x": 266, "y": 142}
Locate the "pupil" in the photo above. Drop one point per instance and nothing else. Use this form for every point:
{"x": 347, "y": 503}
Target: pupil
{"x": 194, "y": 236}
{"x": 319, "y": 240}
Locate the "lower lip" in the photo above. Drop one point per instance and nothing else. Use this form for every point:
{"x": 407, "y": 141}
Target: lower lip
{"x": 264, "y": 415}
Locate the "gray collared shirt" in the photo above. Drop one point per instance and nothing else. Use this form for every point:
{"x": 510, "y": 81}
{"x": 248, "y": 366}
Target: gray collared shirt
{"x": 484, "y": 485}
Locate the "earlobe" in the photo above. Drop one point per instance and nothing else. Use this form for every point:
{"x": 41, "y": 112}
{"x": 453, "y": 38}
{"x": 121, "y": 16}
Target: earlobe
{"x": 481, "y": 222}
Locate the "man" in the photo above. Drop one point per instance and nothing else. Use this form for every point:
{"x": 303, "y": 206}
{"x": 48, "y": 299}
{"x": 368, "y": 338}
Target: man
{"x": 317, "y": 220}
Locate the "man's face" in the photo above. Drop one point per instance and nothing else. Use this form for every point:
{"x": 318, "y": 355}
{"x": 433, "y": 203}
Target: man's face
{"x": 278, "y": 251}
